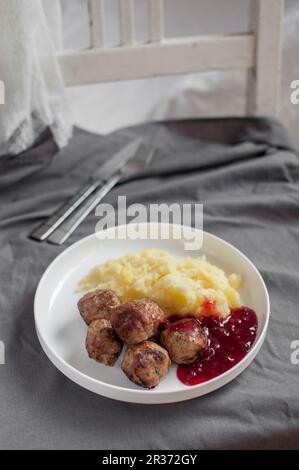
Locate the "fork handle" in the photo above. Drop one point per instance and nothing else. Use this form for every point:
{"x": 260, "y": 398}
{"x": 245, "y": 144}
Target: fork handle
{"x": 43, "y": 231}
{"x": 62, "y": 233}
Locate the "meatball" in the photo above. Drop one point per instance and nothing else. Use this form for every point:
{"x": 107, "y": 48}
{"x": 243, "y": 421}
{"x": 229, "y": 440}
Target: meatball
{"x": 184, "y": 340}
{"x": 102, "y": 344}
{"x": 97, "y": 304}
{"x": 137, "y": 320}
{"x": 146, "y": 364}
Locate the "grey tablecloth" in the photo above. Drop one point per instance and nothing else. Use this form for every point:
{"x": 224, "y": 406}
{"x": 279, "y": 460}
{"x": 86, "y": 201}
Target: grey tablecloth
{"x": 246, "y": 174}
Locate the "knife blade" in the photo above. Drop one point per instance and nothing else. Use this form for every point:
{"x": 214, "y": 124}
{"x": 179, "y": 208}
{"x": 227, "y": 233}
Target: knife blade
{"x": 62, "y": 233}
{"x": 98, "y": 179}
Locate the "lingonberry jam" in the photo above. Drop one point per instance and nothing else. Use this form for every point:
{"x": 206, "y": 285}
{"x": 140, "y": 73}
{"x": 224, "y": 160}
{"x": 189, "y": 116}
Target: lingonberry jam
{"x": 229, "y": 341}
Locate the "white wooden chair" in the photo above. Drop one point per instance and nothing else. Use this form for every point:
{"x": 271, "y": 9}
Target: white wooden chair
{"x": 258, "y": 52}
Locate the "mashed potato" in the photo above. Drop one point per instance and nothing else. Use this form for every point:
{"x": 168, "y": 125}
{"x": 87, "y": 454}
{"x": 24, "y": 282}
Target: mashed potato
{"x": 179, "y": 285}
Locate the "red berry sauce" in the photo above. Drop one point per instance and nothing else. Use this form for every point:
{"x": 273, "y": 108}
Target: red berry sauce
{"x": 229, "y": 341}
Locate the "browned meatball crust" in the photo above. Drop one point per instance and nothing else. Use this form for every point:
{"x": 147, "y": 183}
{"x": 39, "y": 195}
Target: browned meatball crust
{"x": 137, "y": 320}
{"x": 97, "y": 304}
{"x": 102, "y": 344}
{"x": 146, "y": 364}
{"x": 184, "y": 340}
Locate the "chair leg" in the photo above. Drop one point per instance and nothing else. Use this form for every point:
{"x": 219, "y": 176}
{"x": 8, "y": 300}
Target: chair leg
{"x": 263, "y": 83}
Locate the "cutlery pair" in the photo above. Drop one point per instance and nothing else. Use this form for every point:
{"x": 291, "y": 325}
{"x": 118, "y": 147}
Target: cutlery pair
{"x": 58, "y": 228}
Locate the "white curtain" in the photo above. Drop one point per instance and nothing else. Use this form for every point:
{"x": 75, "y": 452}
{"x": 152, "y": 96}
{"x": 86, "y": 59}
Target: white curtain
{"x": 30, "y": 35}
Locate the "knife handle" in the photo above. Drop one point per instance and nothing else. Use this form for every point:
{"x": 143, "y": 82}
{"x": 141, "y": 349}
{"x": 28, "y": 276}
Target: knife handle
{"x": 43, "y": 231}
{"x": 62, "y": 233}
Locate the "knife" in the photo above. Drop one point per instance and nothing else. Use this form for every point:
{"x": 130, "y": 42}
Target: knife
{"x": 132, "y": 166}
{"x": 98, "y": 180}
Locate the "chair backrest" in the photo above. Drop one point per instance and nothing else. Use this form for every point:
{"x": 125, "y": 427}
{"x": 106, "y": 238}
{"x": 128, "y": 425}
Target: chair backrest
{"x": 258, "y": 52}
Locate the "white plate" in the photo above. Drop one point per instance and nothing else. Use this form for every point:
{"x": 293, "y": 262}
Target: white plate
{"x": 62, "y": 332}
